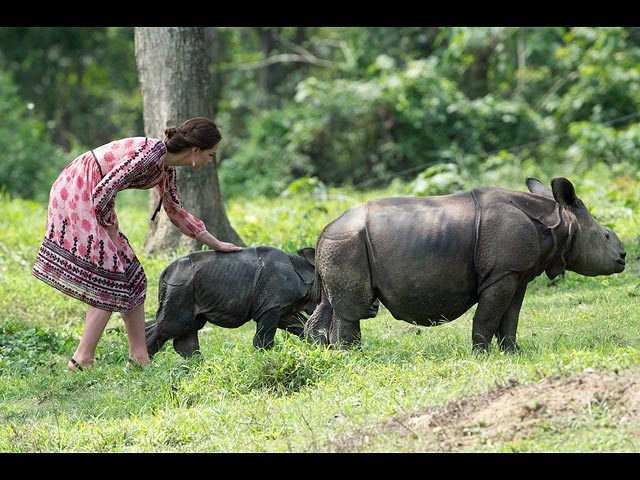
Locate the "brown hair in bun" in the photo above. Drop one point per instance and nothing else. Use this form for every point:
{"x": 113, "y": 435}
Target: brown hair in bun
{"x": 198, "y": 132}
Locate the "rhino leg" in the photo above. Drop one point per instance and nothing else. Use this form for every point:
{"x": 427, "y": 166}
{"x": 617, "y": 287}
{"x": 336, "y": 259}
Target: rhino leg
{"x": 492, "y": 305}
{"x": 325, "y": 327}
{"x": 343, "y": 266}
{"x": 344, "y": 333}
{"x": 175, "y": 315}
{"x": 188, "y": 344}
{"x": 316, "y": 330}
{"x": 266, "y": 327}
{"x": 293, "y": 324}
{"x": 506, "y": 334}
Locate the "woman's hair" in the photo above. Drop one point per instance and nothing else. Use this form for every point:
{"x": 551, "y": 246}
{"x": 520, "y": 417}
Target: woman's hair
{"x": 198, "y": 132}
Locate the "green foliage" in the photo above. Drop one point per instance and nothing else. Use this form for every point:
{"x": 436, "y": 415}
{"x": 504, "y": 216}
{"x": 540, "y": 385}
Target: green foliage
{"x": 262, "y": 166}
{"x": 25, "y": 348}
{"x": 457, "y": 95}
{"x": 595, "y": 143}
{"x": 30, "y": 161}
{"x": 605, "y": 86}
{"x": 437, "y": 180}
{"x": 355, "y": 132}
{"x": 243, "y": 370}
{"x": 359, "y": 107}
{"x": 81, "y": 81}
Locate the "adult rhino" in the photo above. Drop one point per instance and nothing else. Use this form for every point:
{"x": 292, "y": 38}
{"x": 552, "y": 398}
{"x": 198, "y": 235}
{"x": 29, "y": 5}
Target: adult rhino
{"x": 263, "y": 283}
{"x": 430, "y": 259}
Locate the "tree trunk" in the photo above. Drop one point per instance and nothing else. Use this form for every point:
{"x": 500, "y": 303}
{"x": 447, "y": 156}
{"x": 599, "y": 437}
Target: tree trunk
{"x": 173, "y": 73}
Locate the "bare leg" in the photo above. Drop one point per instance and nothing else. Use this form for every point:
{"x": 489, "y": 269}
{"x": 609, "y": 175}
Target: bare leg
{"x": 134, "y": 324}
{"x": 95, "y": 322}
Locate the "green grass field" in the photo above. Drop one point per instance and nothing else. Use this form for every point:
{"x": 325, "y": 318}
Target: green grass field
{"x": 299, "y": 397}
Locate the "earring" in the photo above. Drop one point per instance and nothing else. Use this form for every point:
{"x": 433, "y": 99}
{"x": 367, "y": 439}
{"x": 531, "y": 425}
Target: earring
{"x": 193, "y": 161}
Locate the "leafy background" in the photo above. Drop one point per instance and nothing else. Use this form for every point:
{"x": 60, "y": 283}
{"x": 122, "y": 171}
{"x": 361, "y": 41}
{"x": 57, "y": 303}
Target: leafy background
{"x": 343, "y": 115}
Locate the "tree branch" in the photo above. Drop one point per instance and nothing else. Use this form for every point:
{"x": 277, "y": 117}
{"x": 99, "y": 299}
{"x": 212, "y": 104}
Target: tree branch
{"x": 285, "y": 57}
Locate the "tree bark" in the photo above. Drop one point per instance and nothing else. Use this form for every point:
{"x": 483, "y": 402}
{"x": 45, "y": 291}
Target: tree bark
{"x": 173, "y": 73}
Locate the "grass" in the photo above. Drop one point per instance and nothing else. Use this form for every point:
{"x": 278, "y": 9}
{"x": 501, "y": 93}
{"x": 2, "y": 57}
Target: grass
{"x": 296, "y": 397}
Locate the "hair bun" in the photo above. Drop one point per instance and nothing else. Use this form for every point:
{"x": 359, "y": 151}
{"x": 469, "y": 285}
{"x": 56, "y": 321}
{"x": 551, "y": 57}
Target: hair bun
{"x": 198, "y": 132}
{"x": 170, "y": 131}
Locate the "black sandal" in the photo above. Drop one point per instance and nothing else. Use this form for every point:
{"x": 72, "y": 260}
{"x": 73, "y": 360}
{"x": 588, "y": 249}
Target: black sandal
{"x": 76, "y": 364}
{"x": 133, "y": 363}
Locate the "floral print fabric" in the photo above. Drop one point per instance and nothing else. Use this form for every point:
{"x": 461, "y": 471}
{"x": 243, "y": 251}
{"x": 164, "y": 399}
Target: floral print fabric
{"x": 84, "y": 254}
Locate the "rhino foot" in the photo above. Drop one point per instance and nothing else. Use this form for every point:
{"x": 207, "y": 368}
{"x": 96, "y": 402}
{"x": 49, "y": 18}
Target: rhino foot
{"x": 316, "y": 337}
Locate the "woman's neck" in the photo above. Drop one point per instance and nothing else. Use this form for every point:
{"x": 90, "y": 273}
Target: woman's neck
{"x": 178, "y": 159}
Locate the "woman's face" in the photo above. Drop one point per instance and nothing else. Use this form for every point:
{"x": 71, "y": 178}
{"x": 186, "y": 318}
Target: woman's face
{"x": 202, "y": 157}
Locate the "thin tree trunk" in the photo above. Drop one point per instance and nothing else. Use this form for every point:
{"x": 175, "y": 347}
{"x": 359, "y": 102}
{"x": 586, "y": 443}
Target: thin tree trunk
{"x": 173, "y": 73}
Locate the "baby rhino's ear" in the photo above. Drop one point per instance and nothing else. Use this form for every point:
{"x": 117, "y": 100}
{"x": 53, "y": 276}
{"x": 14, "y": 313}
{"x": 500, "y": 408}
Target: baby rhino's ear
{"x": 309, "y": 253}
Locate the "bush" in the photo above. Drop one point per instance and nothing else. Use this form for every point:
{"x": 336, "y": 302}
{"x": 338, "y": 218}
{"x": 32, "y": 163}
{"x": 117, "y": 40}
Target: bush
{"x": 30, "y": 162}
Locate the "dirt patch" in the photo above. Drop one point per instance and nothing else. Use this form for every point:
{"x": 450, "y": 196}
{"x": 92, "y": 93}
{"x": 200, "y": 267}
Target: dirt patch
{"x": 517, "y": 411}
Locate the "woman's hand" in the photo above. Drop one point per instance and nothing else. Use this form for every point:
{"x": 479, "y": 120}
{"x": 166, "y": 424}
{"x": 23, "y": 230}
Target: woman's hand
{"x": 226, "y": 247}
{"x": 215, "y": 244}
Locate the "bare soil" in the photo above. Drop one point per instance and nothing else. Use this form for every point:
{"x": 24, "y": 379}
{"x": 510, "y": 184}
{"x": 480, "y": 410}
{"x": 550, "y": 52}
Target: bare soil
{"x": 519, "y": 411}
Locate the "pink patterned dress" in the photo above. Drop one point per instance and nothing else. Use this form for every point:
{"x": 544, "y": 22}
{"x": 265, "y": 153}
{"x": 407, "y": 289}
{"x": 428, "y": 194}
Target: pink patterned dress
{"x": 84, "y": 254}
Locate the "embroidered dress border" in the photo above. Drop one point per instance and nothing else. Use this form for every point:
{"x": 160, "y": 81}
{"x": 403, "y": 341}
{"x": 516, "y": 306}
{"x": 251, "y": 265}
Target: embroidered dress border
{"x": 74, "y": 276}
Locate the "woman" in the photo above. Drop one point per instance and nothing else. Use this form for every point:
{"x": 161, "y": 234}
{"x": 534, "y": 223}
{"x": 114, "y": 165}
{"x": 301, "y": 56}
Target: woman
{"x": 86, "y": 256}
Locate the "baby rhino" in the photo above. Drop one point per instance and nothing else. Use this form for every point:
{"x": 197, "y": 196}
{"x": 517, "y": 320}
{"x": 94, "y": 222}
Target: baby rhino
{"x": 228, "y": 289}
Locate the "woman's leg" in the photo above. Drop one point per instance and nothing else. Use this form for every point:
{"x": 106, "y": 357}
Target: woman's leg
{"x": 134, "y": 324}
{"x": 95, "y": 323}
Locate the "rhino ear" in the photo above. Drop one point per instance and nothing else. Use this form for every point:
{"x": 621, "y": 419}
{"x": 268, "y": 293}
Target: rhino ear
{"x": 565, "y": 193}
{"x": 304, "y": 264}
{"x": 309, "y": 254}
{"x": 536, "y": 186}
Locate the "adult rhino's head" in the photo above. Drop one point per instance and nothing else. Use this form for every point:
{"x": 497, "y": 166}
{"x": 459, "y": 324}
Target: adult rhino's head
{"x": 594, "y": 249}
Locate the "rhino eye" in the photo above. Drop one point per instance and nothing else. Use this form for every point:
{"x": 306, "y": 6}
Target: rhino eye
{"x": 607, "y": 234}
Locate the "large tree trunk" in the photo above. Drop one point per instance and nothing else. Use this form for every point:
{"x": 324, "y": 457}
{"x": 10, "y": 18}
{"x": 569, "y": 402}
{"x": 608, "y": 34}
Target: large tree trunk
{"x": 174, "y": 80}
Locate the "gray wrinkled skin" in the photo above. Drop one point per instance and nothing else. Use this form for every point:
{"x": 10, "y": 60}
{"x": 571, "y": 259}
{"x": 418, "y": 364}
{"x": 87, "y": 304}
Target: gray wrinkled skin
{"x": 430, "y": 259}
{"x": 229, "y": 289}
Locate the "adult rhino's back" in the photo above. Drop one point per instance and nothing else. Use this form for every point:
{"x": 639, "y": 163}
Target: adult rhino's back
{"x": 386, "y": 238}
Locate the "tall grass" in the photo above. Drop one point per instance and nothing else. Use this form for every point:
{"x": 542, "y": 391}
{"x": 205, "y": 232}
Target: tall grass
{"x": 296, "y": 397}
